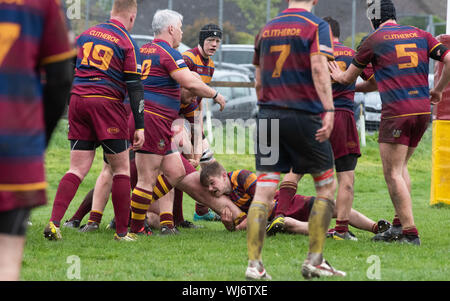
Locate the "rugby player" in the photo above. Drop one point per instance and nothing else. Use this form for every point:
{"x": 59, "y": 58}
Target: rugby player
{"x": 400, "y": 58}
{"x": 164, "y": 70}
{"x": 34, "y": 41}
{"x": 293, "y": 84}
{"x": 108, "y": 66}
{"x": 239, "y": 186}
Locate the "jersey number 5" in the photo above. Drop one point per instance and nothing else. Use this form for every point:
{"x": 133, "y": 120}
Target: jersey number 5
{"x": 97, "y": 56}
{"x": 401, "y": 52}
{"x": 284, "y": 50}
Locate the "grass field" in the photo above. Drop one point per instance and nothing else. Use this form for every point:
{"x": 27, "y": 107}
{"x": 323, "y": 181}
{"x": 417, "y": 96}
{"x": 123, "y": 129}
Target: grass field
{"x": 212, "y": 253}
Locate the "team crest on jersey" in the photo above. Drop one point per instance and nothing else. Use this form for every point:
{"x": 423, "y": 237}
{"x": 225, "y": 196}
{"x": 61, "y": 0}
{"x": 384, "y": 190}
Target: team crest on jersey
{"x": 113, "y": 130}
{"x": 396, "y": 133}
{"x": 161, "y": 144}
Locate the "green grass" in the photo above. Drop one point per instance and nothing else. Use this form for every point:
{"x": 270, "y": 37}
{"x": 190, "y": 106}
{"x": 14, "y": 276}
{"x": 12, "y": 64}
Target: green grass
{"x": 212, "y": 253}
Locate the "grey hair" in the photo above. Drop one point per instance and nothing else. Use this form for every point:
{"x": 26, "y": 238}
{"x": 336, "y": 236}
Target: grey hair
{"x": 163, "y": 18}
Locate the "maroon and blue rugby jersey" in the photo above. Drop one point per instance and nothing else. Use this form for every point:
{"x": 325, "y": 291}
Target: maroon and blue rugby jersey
{"x": 33, "y": 33}
{"x": 283, "y": 51}
{"x": 243, "y": 183}
{"x": 344, "y": 95}
{"x": 400, "y": 58}
{"x": 105, "y": 53}
{"x": 161, "y": 91}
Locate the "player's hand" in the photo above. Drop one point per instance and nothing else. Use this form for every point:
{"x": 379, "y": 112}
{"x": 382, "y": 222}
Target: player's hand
{"x": 335, "y": 72}
{"x": 435, "y": 96}
{"x": 138, "y": 140}
{"x": 324, "y": 132}
{"x": 194, "y": 162}
{"x": 221, "y": 101}
{"x": 242, "y": 225}
{"x": 227, "y": 218}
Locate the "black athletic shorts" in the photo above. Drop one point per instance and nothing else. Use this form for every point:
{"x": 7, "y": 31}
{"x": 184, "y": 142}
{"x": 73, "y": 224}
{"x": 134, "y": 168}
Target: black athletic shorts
{"x": 112, "y": 146}
{"x": 346, "y": 163}
{"x": 286, "y": 139}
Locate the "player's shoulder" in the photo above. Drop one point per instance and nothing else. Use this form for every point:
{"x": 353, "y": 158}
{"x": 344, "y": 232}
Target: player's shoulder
{"x": 166, "y": 48}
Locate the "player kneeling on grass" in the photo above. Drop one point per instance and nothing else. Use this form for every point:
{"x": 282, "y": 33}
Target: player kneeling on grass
{"x": 239, "y": 186}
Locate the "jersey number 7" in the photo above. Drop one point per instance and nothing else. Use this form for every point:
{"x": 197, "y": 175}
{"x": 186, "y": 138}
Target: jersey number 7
{"x": 285, "y": 50}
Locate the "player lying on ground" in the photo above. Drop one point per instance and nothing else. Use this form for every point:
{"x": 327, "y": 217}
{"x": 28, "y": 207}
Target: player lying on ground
{"x": 239, "y": 186}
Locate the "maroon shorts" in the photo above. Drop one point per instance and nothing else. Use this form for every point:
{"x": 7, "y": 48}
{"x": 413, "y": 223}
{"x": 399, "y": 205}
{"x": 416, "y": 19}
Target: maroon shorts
{"x": 158, "y": 134}
{"x": 406, "y": 130}
{"x": 97, "y": 119}
{"x": 299, "y": 208}
{"x": 10, "y": 200}
{"x": 344, "y": 138}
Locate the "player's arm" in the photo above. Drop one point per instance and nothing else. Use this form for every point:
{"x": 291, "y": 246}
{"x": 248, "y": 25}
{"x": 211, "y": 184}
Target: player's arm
{"x": 367, "y": 86}
{"x": 188, "y": 81}
{"x": 436, "y": 92}
{"x": 136, "y": 94}
{"x": 322, "y": 83}
{"x": 56, "y": 92}
{"x": 347, "y": 77}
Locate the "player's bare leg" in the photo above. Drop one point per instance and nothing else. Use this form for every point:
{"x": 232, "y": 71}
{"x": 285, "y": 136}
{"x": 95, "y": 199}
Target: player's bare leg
{"x": 292, "y": 225}
{"x": 11, "y": 248}
{"x": 344, "y": 203}
{"x": 394, "y": 158}
{"x": 100, "y": 198}
{"x": 256, "y": 223}
{"x": 318, "y": 223}
{"x": 80, "y": 163}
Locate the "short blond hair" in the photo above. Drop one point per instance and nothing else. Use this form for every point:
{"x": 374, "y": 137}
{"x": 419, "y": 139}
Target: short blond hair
{"x": 123, "y": 6}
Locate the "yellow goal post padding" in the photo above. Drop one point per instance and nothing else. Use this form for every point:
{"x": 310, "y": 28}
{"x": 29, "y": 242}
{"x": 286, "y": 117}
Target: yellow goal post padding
{"x": 440, "y": 176}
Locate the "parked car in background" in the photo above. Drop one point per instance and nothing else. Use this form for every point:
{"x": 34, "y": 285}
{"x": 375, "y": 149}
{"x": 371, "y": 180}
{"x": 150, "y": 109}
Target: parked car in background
{"x": 239, "y": 54}
{"x": 240, "y": 101}
{"x": 141, "y": 40}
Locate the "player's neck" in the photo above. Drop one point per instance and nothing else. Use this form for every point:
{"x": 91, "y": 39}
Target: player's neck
{"x": 303, "y": 5}
{"x": 388, "y": 21}
{"x": 165, "y": 37}
{"x": 122, "y": 21}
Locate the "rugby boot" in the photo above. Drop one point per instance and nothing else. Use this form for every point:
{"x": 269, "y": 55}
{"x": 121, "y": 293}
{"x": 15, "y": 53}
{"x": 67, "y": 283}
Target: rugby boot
{"x": 383, "y": 225}
{"x": 210, "y": 216}
{"x": 90, "y": 227}
{"x": 52, "y": 232}
{"x": 324, "y": 269}
{"x": 127, "y": 237}
{"x": 276, "y": 226}
{"x": 342, "y": 236}
{"x": 391, "y": 234}
{"x": 409, "y": 239}
{"x": 256, "y": 271}
{"x": 72, "y": 224}
{"x": 189, "y": 225}
{"x": 168, "y": 231}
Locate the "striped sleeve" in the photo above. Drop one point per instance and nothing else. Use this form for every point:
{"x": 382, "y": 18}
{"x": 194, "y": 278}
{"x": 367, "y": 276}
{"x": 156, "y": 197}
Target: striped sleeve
{"x": 55, "y": 44}
{"x": 323, "y": 43}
